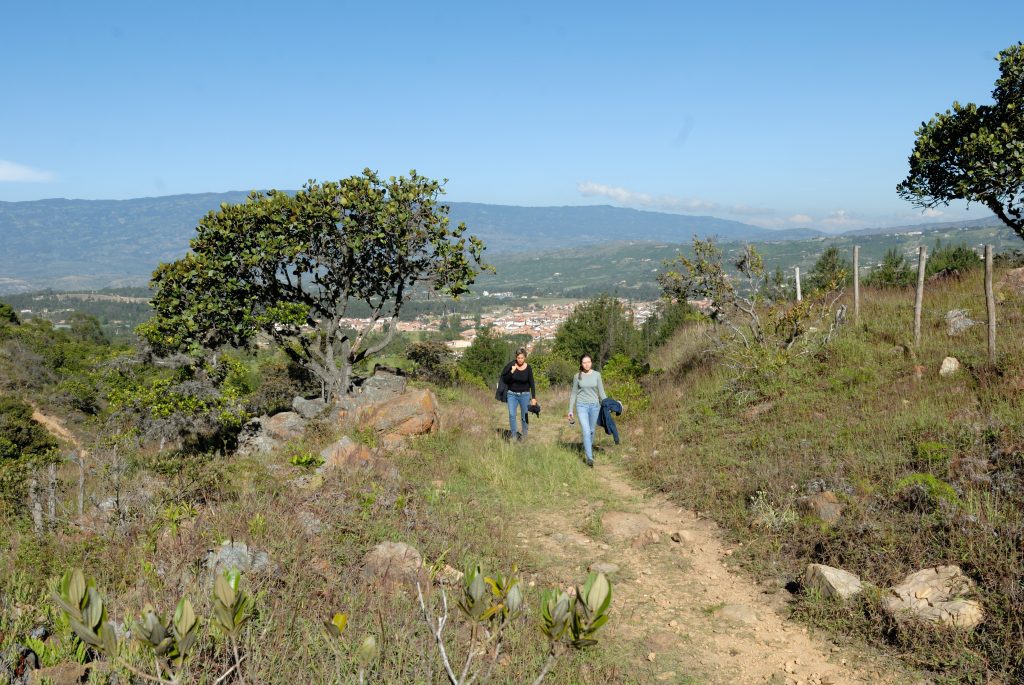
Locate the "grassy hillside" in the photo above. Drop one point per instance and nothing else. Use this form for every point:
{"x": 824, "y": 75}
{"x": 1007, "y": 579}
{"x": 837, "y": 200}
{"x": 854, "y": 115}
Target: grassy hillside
{"x": 930, "y": 470}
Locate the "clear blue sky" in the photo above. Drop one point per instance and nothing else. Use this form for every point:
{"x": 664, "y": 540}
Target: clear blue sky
{"x": 778, "y": 114}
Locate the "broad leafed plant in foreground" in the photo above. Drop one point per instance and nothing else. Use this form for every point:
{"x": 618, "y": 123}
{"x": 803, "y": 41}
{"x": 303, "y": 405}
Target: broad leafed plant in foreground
{"x": 289, "y": 266}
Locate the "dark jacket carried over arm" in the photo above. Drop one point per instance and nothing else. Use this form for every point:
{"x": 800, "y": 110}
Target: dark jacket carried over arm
{"x": 605, "y": 418}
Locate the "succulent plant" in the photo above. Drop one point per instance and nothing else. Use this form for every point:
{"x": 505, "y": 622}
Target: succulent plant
{"x": 85, "y": 611}
{"x": 230, "y": 605}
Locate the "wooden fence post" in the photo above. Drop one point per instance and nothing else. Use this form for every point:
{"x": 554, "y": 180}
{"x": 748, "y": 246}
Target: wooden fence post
{"x": 990, "y": 305}
{"x": 799, "y": 296}
{"x": 922, "y": 258}
{"x": 856, "y": 285}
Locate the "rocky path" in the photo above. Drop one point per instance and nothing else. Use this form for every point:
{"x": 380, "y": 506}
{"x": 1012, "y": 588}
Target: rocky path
{"x": 699, "y": 620}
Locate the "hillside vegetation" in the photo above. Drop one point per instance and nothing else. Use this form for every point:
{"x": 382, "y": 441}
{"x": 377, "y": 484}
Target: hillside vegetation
{"x": 929, "y": 470}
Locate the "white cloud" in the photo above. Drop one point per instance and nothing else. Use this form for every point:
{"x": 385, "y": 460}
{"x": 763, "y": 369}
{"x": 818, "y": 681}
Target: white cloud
{"x": 632, "y": 198}
{"x": 841, "y": 219}
{"x": 931, "y": 212}
{"x": 13, "y": 172}
{"x": 800, "y": 219}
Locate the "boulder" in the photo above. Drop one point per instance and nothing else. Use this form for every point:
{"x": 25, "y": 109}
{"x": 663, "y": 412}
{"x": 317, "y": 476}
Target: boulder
{"x": 284, "y": 426}
{"x": 950, "y": 365}
{"x": 823, "y": 505}
{"x": 308, "y": 409}
{"x": 266, "y": 433}
{"x": 412, "y": 413}
{"x": 958, "y": 321}
{"x": 238, "y": 556}
{"x": 392, "y": 562}
{"x": 831, "y": 582}
{"x": 381, "y": 386}
{"x": 344, "y": 454}
{"x": 935, "y": 595}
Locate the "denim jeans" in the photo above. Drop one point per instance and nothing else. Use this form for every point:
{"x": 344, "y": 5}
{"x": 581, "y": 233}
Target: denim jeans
{"x": 521, "y": 400}
{"x": 588, "y": 421}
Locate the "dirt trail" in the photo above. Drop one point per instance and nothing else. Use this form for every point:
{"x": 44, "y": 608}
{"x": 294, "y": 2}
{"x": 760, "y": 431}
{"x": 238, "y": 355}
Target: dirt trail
{"x": 54, "y": 426}
{"x": 700, "y": 621}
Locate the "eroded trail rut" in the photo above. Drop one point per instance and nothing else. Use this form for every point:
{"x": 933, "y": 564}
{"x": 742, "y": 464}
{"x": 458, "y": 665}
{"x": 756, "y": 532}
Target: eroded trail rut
{"x": 698, "y": 620}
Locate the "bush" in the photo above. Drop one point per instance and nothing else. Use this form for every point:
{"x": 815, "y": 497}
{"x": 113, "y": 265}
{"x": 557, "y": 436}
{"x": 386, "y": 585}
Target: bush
{"x": 952, "y": 259}
{"x": 553, "y": 369}
{"x": 434, "y": 361}
{"x": 830, "y": 272}
{"x": 488, "y": 354}
{"x": 600, "y": 327}
{"x": 894, "y": 272}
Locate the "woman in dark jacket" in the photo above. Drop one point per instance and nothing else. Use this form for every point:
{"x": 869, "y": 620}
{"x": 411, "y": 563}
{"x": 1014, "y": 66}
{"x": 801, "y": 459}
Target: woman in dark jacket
{"x": 522, "y": 392}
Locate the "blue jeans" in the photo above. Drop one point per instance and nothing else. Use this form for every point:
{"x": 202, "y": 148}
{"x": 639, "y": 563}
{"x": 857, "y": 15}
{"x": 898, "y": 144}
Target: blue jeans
{"x": 588, "y": 414}
{"x": 521, "y": 400}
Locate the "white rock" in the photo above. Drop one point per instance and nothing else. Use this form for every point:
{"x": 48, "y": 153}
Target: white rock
{"x": 950, "y": 365}
{"x": 831, "y": 582}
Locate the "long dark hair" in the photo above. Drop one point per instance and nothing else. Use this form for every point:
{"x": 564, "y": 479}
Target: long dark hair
{"x": 579, "y": 377}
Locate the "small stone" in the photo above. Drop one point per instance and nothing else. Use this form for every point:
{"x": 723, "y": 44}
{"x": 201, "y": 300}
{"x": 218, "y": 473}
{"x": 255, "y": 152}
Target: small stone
{"x": 831, "y": 582}
{"x": 652, "y": 656}
{"x": 950, "y": 365}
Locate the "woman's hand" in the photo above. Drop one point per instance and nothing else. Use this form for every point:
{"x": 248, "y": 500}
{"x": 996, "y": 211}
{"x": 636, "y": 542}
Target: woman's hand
{"x": 533, "y": 402}
{"x": 570, "y": 417}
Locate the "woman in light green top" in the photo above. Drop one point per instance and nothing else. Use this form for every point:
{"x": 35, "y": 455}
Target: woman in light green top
{"x": 587, "y": 393}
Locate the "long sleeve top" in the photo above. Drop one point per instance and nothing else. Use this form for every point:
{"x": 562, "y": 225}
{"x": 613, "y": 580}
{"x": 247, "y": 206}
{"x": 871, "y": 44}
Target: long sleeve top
{"x": 519, "y": 380}
{"x": 587, "y": 388}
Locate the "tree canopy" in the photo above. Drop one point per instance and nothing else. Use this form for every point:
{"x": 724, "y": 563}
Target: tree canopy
{"x": 975, "y": 152}
{"x": 289, "y": 266}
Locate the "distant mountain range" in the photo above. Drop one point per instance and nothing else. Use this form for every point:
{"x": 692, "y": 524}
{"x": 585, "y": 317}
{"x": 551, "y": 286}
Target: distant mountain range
{"x": 88, "y": 244}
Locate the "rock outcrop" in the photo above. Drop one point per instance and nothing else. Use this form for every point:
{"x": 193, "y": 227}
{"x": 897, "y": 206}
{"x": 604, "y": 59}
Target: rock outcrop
{"x": 935, "y": 595}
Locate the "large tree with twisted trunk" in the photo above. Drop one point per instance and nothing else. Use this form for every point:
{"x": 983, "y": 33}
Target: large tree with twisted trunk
{"x": 976, "y": 152}
{"x": 290, "y": 266}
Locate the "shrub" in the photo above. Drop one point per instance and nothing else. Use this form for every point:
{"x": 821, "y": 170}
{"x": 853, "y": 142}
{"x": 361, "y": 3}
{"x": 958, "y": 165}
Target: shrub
{"x": 487, "y": 355}
{"x": 600, "y": 327}
{"x": 894, "y": 271}
{"x": 434, "y": 361}
{"x": 830, "y": 272}
{"x": 952, "y": 259}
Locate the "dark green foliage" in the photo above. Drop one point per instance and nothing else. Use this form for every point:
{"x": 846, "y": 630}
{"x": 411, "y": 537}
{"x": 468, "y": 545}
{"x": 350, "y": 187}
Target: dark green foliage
{"x": 831, "y": 271}
{"x": 951, "y": 259}
{"x": 20, "y": 436}
{"x": 600, "y": 327}
{"x": 289, "y": 265}
{"x": 8, "y": 315}
{"x": 665, "y": 321}
{"x": 86, "y": 328}
{"x": 280, "y": 380}
{"x": 434, "y": 361}
{"x": 558, "y": 370}
{"x": 1011, "y": 259}
{"x": 488, "y": 354}
{"x": 23, "y": 445}
{"x": 894, "y": 271}
{"x": 975, "y": 152}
